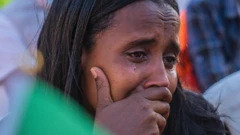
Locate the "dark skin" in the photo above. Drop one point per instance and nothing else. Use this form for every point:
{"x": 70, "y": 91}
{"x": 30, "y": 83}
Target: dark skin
{"x": 130, "y": 73}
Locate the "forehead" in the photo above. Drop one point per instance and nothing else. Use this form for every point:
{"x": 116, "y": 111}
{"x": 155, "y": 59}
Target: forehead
{"x": 144, "y": 18}
{"x": 144, "y": 14}
{"x": 154, "y": 12}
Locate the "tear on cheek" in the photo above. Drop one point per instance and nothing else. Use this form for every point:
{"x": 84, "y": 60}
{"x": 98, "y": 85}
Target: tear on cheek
{"x": 172, "y": 72}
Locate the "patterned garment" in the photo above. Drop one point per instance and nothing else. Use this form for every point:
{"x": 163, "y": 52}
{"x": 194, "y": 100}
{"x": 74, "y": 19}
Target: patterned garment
{"x": 214, "y": 43}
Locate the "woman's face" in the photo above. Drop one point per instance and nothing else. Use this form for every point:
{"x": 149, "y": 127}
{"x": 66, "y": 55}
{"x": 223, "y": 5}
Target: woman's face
{"x": 138, "y": 51}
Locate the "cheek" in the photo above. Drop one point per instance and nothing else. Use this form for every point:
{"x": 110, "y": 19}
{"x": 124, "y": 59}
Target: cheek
{"x": 123, "y": 80}
{"x": 172, "y": 76}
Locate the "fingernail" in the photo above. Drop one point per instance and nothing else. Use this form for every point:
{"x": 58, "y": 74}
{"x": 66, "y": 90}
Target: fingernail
{"x": 93, "y": 73}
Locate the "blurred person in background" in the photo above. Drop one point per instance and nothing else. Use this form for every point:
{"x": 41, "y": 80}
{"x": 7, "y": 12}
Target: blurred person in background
{"x": 185, "y": 67}
{"x": 20, "y": 23}
{"x": 225, "y": 96}
{"x": 182, "y": 4}
{"x": 214, "y": 43}
{"x": 214, "y": 46}
{"x": 4, "y": 103}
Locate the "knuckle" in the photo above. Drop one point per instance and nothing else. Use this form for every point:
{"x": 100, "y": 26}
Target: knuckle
{"x": 166, "y": 111}
{"x": 166, "y": 115}
{"x": 152, "y": 116}
{"x": 167, "y": 106}
{"x": 164, "y": 122}
{"x": 140, "y": 103}
{"x": 149, "y": 117}
{"x": 155, "y": 131}
{"x": 167, "y": 97}
{"x": 146, "y": 107}
{"x": 137, "y": 99}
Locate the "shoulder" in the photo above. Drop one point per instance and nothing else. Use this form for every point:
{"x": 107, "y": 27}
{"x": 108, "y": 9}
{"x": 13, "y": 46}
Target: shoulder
{"x": 199, "y": 106}
{"x": 203, "y": 114}
{"x": 197, "y": 100}
{"x": 225, "y": 96}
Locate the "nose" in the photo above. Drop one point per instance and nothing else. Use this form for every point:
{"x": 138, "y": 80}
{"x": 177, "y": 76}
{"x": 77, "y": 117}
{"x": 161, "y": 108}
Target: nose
{"x": 157, "y": 76}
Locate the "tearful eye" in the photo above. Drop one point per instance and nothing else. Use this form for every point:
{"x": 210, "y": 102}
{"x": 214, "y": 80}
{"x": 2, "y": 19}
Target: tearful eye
{"x": 170, "y": 61}
{"x": 138, "y": 56}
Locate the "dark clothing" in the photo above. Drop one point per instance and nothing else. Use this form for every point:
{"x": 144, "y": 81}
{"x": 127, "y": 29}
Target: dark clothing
{"x": 214, "y": 43}
{"x": 198, "y": 117}
{"x": 201, "y": 107}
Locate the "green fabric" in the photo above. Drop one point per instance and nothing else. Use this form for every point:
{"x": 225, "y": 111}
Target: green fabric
{"x": 3, "y": 2}
{"x": 49, "y": 113}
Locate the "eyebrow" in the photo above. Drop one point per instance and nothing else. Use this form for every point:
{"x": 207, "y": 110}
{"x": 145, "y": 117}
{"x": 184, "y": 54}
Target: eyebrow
{"x": 173, "y": 45}
{"x": 142, "y": 42}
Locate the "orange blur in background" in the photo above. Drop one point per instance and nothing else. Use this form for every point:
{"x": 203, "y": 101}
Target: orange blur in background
{"x": 184, "y": 67}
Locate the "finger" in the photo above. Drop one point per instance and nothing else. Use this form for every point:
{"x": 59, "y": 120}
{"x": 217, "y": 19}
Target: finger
{"x": 161, "y": 122}
{"x": 160, "y": 107}
{"x": 157, "y": 93}
{"x": 103, "y": 89}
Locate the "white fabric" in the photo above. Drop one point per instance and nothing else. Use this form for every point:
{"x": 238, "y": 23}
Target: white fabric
{"x": 225, "y": 95}
{"x": 12, "y": 47}
{"x": 20, "y": 24}
{"x": 4, "y": 102}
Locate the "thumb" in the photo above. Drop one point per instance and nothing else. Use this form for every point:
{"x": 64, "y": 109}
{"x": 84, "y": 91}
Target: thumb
{"x": 103, "y": 89}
